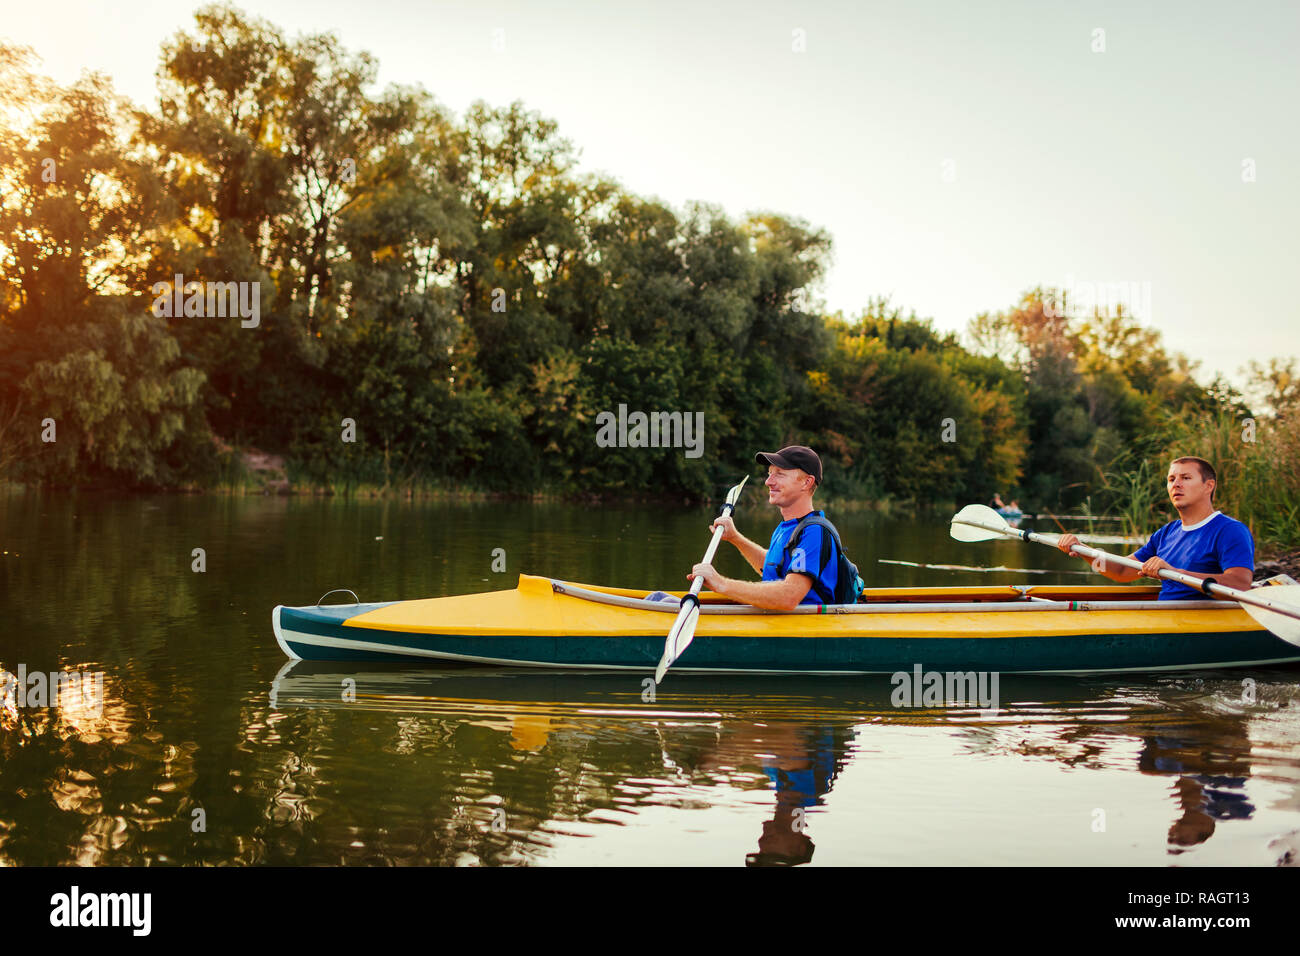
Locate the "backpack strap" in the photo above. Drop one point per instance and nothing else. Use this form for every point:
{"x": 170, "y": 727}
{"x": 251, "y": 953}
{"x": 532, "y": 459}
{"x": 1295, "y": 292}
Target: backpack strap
{"x": 828, "y": 540}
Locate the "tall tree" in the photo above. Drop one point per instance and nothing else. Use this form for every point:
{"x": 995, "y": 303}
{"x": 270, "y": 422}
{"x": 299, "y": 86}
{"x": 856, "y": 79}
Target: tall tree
{"x": 91, "y": 384}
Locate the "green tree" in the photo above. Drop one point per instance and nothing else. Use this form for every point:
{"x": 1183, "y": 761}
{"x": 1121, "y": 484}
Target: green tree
{"x": 77, "y": 343}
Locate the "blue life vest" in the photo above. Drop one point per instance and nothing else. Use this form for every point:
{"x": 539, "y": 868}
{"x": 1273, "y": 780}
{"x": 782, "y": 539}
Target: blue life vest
{"x": 812, "y": 546}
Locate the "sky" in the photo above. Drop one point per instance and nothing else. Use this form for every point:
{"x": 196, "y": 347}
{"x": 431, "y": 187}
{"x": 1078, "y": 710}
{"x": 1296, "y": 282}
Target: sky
{"x": 957, "y": 153}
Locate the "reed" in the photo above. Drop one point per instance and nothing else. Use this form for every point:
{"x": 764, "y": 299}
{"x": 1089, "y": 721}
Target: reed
{"x": 1135, "y": 492}
{"x": 1269, "y": 482}
{"x": 1258, "y": 475}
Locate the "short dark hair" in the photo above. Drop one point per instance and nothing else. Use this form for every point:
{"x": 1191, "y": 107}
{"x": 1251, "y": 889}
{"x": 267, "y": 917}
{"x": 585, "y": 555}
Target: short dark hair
{"x": 1206, "y": 469}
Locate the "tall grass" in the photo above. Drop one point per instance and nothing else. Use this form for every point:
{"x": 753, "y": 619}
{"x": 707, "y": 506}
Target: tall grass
{"x": 1136, "y": 493}
{"x": 1258, "y": 474}
{"x": 1270, "y": 483}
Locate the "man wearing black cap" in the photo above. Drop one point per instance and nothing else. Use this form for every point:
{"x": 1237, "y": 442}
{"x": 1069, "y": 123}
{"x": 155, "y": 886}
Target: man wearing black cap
{"x": 789, "y": 579}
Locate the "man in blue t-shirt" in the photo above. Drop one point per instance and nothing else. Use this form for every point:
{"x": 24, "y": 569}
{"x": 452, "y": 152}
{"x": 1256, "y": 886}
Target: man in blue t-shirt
{"x": 793, "y": 474}
{"x": 1201, "y": 543}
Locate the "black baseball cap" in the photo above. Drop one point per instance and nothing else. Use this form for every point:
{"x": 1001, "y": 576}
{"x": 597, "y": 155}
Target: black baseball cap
{"x": 794, "y": 456}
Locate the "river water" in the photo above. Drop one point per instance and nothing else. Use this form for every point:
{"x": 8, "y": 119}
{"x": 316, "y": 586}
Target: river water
{"x": 208, "y": 747}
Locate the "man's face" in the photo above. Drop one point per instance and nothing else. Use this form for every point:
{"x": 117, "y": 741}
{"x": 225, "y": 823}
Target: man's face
{"x": 786, "y": 485}
{"x": 1187, "y": 489}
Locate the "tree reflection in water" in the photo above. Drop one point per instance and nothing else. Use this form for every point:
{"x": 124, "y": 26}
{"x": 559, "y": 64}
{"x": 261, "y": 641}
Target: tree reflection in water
{"x": 456, "y": 767}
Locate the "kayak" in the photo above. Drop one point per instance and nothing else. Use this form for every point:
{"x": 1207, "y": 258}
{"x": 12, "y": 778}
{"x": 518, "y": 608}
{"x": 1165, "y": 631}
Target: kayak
{"x": 546, "y": 623}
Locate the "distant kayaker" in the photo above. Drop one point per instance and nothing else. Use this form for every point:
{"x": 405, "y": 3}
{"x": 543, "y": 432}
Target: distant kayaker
{"x": 805, "y": 574}
{"x": 1004, "y": 509}
{"x": 1201, "y": 543}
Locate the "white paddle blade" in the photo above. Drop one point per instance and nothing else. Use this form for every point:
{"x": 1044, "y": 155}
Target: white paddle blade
{"x": 978, "y": 523}
{"x": 679, "y": 638}
{"x": 733, "y": 495}
{"x": 1280, "y": 622}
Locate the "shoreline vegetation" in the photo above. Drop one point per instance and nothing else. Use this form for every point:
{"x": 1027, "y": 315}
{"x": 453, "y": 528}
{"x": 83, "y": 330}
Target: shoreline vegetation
{"x": 423, "y": 305}
{"x": 1271, "y": 558}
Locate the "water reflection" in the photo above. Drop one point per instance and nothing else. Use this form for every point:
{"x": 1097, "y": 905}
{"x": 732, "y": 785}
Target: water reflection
{"x": 704, "y": 734}
{"x": 801, "y": 762}
{"x": 54, "y": 757}
{"x": 613, "y": 751}
{"x": 190, "y": 761}
{"x": 1201, "y": 734}
{"x": 1210, "y": 763}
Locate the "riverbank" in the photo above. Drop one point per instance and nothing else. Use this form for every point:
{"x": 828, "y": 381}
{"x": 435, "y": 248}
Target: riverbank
{"x": 1274, "y": 562}
{"x": 255, "y": 472}
{"x": 252, "y": 472}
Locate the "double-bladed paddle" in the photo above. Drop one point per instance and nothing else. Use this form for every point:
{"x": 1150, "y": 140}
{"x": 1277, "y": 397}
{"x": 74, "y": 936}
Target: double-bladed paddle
{"x": 1279, "y": 612}
{"x": 683, "y": 631}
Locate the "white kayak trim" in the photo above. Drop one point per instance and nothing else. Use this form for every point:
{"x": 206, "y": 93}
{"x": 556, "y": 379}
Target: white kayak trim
{"x": 279, "y": 634}
{"x": 402, "y": 650}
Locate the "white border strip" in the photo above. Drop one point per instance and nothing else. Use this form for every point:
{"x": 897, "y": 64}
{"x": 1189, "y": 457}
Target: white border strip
{"x": 399, "y": 650}
{"x": 279, "y": 634}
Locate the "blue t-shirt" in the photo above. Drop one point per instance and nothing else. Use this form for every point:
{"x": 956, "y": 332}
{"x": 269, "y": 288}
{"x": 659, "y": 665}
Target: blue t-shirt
{"x": 805, "y": 557}
{"x": 1213, "y": 546}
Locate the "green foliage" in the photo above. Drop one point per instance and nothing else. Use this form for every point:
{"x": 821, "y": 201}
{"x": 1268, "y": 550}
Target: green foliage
{"x": 1274, "y": 386}
{"x": 1134, "y": 491}
{"x": 472, "y": 302}
{"x": 78, "y": 210}
{"x": 1106, "y": 405}
{"x": 921, "y": 419}
{"x": 1257, "y": 483}
{"x": 141, "y": 427}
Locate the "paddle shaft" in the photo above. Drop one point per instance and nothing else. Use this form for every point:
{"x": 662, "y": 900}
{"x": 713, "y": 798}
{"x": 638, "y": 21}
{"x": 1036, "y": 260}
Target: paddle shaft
{"x": 691, "y": 601}
{"x": 683, "y": 629}
{"x": 698, "y": 584}
{"x": 1211, "y": 589}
